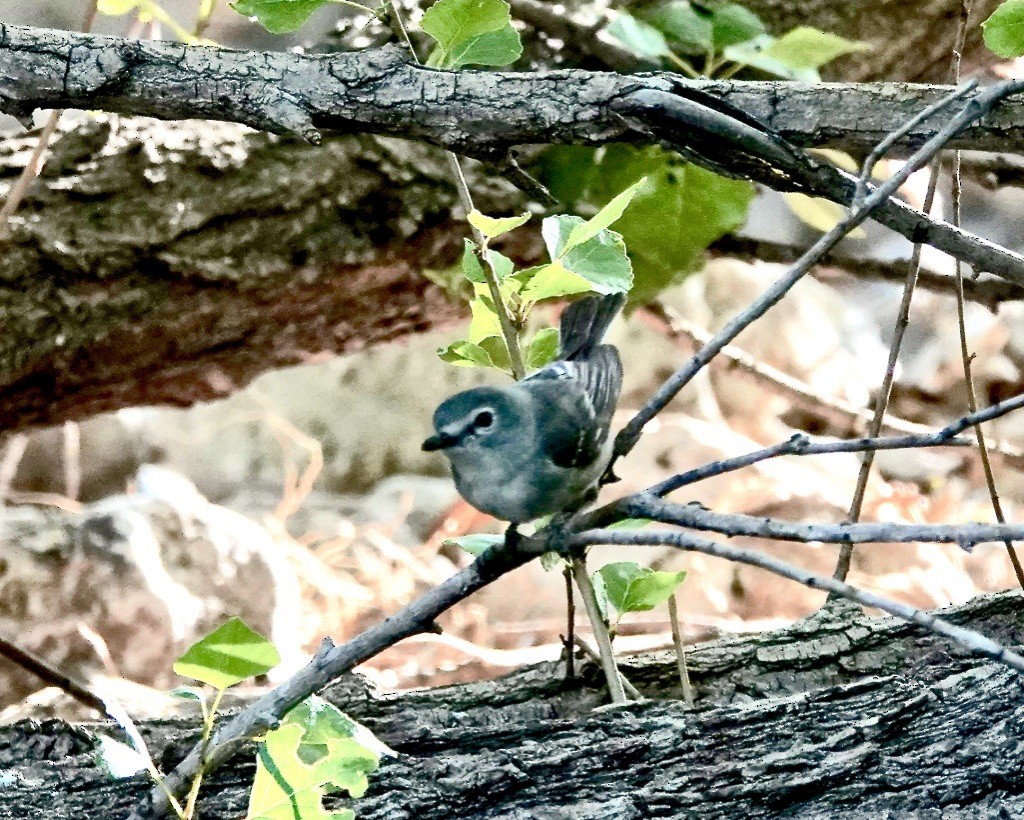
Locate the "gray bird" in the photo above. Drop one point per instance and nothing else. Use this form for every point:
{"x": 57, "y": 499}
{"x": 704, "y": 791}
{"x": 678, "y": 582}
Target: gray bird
{"x": 539, "y": 446}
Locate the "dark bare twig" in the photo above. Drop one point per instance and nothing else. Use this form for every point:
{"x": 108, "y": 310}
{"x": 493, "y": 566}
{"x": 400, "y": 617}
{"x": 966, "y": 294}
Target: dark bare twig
{"x": 966, "y": 356}
{"x": 988, "y": 291}
{"x": 694, "y": 516}
{"x": 630, "y": 434}
{"x": 330, "y": 662}
{"x": 51, "y": 675}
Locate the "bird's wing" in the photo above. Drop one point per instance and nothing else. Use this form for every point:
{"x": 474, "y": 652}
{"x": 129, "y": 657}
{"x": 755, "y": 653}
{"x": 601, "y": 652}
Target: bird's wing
{"x": 577, "y": 399}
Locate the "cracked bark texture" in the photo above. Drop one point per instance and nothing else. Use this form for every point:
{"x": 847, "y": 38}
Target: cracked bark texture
{"x": 172, "y": 263}
{"x": 478, "y": 113}
{"x": 838, "y": 715}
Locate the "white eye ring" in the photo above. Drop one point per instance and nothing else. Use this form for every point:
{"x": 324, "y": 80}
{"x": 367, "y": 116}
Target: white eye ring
{"x": 483, "y": 420}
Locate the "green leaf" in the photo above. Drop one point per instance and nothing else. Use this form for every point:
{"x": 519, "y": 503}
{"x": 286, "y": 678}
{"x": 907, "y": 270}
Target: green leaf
{"x": 699, "y": 205}
{"x": 471, "y": 266}
{"x": 461, "y": 29}
{"x": 1003, "y": 31}
{"x": 806, "y": 47}
{"x": 639, "y": 37}
{"x": 604, "y": 218}
{"x": 601, "y": 260}
{"x": 496, "y": 48}
{"x": 493, "y": 227}
{"x": 733, "y": 24}
{"x": 551, "y": 281}
{"x": 465, "y": 354}
{"x": 495, "y": 348}
{"x": 485, "y": 321}
{"x": 316, "y": 750}
{"x": 543, "y": 348}
{"x": 324, "y": 721}
{"x": 228, "y": 655}
{"x": 633, "y": 588}
{"x": 475, "y": 544}
{"x": 683, "y": 24}
{"x": 113, "y": 8}
{"x": 500, "y": 263}
{"x": 279, "y": 16}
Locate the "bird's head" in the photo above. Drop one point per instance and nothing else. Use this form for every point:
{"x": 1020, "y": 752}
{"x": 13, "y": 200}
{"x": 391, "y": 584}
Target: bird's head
{"x": 482, "y": 417}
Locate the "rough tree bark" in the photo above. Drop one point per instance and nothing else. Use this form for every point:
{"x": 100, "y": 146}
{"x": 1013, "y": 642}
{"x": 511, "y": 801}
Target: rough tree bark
{"x": 208, "y": 254}
{"x": 838, "y": 715}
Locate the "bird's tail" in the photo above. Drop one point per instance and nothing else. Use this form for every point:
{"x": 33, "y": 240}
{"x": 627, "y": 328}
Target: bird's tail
{"x": 584, "y": 324}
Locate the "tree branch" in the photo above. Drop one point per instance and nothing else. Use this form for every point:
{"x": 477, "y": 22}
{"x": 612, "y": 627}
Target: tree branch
{"x": 484, "y": 114}
{"x": 972, "y": 640}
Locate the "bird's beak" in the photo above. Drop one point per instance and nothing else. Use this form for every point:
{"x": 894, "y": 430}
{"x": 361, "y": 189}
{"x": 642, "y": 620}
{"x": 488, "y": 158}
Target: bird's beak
{"x": 440, "y": 441}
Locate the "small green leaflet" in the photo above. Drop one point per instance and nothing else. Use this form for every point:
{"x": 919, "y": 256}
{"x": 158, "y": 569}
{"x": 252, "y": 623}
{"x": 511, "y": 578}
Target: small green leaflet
{"x": 471, "y": 266}
{"x": 604, "y": 218}
{"x": 497, "y": 48}
{"x": 485, "y": 320}
{"x": 228, "y": 655}
{"x": 471, "y": 32}
{"x": 543, "y": 348}
{"x": 810, "y": 48}
{"x": 684, "y": 25}
{"x": 500, "y": 264}
{"x": 633, "y": 588}
{"x": 279, "y": 16}
{"x": 493, "y": 227}
{"x": 639, "y": 37}
{"x": 733, "y": 24}
{"x": 475, "y": 544}
{"x": 550, "y": 281}
{"x": 1003, "y": 31}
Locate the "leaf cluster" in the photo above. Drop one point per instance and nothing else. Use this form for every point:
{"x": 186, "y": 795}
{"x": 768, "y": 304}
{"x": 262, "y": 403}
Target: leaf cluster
{"x": 727, "y": 36}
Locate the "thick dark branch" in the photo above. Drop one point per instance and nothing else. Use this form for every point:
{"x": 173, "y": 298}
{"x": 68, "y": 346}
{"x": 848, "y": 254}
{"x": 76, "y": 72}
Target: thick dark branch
{"x": 485, "y": 114}
{"x": 471, "y": 112}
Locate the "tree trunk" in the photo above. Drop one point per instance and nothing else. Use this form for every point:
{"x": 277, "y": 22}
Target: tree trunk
{"x": 838, "y": 715}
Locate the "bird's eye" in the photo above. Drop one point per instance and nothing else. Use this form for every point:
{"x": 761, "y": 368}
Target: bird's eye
{"x": 484, "y": 419}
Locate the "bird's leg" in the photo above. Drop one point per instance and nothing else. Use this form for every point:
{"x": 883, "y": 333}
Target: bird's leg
{"x": 512, "y": 537}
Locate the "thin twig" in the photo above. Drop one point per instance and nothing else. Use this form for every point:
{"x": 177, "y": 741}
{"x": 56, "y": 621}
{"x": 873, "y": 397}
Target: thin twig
{"x": 51, "y": 675}
{"x": 965, "y": 355}
{"x": 570, "y": 625}
{"x": 630, "y": 434}
{"x": 800, "y": 444}
{"x": 604, "y": 641}
{"x": 834, "y": 410}
{"x": 695, "y": 516}
{"x": 508, "y": 331}
{"x": 677, "y": 642}
{"x": 966, "y": 637}
{"x": 883, "y": 147}
{"x": 885, "y": 390}
{"x": 902, "y": 319}
{"x": 989, "y": 291}
{"x": 594, "y": 655}
{"x": 329, "y": 663}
